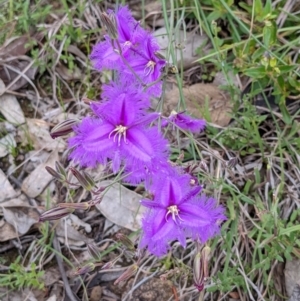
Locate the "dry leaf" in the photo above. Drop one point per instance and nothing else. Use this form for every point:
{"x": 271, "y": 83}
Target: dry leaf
{"x": 2, "y": 87}
{"x": 22, "y": 295}
{"x": 7, "y": 231}
{"x": 121, "y": 206}
{"x": 74, "y": 238}
{"x": 68, "y": 74}
{"x": 11, "y": 109}
{"x": 8, "y": 74}
{"x": 195, "y": 97}
{"x": 75, "y": 50}
{"x": 52, "y": 298}
{"x": 51, "y": 276}
{"x": 7, "y": 143}
{"x": 36, "y": 182}
{"x": 21, "y": 218}
{"x": 15, "y": 46}
{"x": 7, "y": 191}
{"x": 37, "y": 132}
{"x": 20, "y": 201}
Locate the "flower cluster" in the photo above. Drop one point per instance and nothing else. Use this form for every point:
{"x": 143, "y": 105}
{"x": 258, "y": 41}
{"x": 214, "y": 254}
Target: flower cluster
{"x": 123, "y": 133}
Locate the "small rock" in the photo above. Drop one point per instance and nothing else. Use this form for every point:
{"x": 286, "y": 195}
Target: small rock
{"x": 52, "y": 298}
{"x": 96, "y": 293}
{"x": 186, "y": 45}
{"x": 35, "y": 183}
{"x": 153, "y": 290}
{"x": 221, "y": 80}
{"x": 7, "y": 143}
{"x": 197, "y": 97}
{"x": 292, "y": 275}
{"x": 11, "y": 109}
{"x": 7, "y": 191}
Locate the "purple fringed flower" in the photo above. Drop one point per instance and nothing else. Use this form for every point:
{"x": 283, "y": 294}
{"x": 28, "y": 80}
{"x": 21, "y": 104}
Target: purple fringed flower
{"x": 130, "y": 33}
{"x": 177, "y": 212}
{"x": 125, "y": 86}
{"x": 146, "y": 64}
{"x": 120, "y": 132}
{"x": 185, "y": 122}
{"x": 138, "y": 174}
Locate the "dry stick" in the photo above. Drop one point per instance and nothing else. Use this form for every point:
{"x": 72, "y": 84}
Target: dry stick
{"x": 62, "y": 271}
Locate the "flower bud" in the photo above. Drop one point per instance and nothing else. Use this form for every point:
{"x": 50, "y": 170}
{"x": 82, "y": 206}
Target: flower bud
{"x": 127, "y": 274}
{"x": 109, "y": 21}
{"x": 75, "y": 206}
{"x": 63, "y": 128}
{"x": 125, "y": 241}
{"x": 200, "y": 268}
{"x": 108, "y": 265}
{"x": 60, "y": 169}
{"x": 94, "y": 251}
{"x": 89, "y": 179}
{"x": 55, "y": 213}
{"x": 88, "y": 267}
{"x": 84, "y": 179}
{"x": 54, "y": 173}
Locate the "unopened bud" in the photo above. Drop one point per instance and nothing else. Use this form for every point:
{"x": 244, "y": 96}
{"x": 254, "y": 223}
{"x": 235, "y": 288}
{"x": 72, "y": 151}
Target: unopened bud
{"x": 54, "y": 173}
{"x": 55, "y": 213}
{"x": 107, "y": 265}
{"x": 75, "y": 206}
{"x": 84, "y": 179}
{"x": 109, "y": 21}
{"x": 60, "y": 169}
{"x": 127, "y": 274}
{"x": 200, "y": 268}
{"x": 89, "y": 179}
{"x": 63, "y": 128}
{"x": 89, "y": 267}
{"x": 125, "y": 241}
{"x": 111, "y": 263}
{"x": 94, "y": 251}
{"x": 60, "y": 173}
